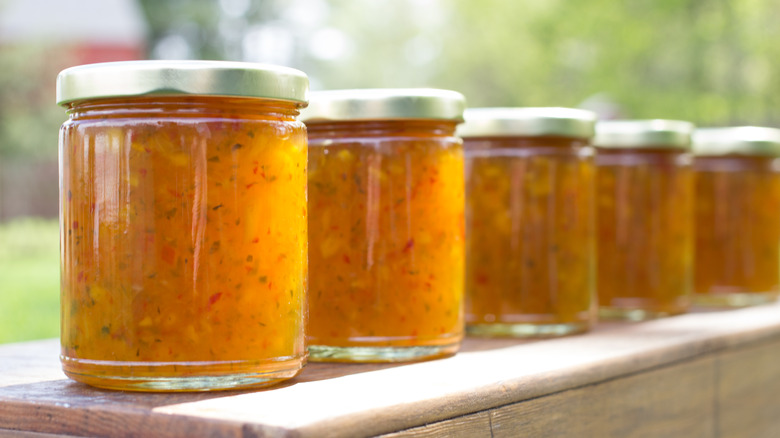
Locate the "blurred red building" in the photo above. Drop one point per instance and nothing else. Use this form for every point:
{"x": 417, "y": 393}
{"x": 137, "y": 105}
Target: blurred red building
{"x": 54, "y": 35}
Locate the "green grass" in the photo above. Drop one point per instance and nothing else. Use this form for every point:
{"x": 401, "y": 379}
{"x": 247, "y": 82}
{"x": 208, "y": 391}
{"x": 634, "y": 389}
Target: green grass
{"x": 29, "y": 280}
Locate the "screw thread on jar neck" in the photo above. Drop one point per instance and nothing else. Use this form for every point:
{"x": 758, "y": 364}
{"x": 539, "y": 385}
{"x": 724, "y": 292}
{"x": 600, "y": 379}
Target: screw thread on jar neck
{"x": 382, "y": 128}
{"x": 184, "y": 106}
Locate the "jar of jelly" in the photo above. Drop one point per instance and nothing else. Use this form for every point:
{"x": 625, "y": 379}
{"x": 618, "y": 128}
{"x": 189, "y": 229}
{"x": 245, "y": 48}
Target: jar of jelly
{"x": 183, "y": 224}
{"x": 737, "y": 215}
{"x": 644, "y": 188}
{"x": 530, "y": 225}
{"x": 386, "y": 230}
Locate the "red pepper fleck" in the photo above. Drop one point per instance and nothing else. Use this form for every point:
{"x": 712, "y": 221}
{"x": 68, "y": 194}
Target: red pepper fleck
{"x": 334, "y": 227}
{"x": 346, "y": 258}
{"x": 174, "y": 193}
{"x": 249, "y": 186}
{"x": 409, "y": 245}
{"x": 255, "y": 240}
{"x": 248, "y": 269}
{"x": 415, "y": 332}
{"x": 148, "y": 150}
{"x": 270, "y": 284}
{"x": 269, "y": 231}
{"x": 304, "y": 212}
{"x": 482, "y": 279}
{"x": 142, "y": 172}
{"x": 214, "y": 298}
{"x": 80, "y": 276}
{"x": 168, "y": 255}
{"x": 75, "y": 224}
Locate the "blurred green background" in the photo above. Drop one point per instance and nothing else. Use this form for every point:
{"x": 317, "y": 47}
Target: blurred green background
{"x": 712, "y": 62}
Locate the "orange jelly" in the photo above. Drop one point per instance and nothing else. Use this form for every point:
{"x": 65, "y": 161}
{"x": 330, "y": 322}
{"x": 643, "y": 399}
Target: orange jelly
{"x": 386, "y": 225}
{"x": 645, "y": 218}
{"x": 737, "y": 216}
{"x": 530, "y": 261}
{"x": 183, "y": 227}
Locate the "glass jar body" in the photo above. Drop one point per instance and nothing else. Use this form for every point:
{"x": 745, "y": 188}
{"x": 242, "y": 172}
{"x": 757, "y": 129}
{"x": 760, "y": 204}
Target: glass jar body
{"x": 737, "y": 217}
{"x": 530, "y": 227}
{"x": 386, "y": 238}
{"x": 645, "y": 232}
{"x": 184, "y": 243}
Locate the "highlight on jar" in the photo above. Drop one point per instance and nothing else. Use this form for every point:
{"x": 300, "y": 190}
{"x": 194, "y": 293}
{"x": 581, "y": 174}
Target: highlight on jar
{"x": 737, "y": 212}
{"x": 530, "y": 224}
{"x": 386, "y": 200}
{"x": 183, "y": 224}
{"x": 644, "y": 189}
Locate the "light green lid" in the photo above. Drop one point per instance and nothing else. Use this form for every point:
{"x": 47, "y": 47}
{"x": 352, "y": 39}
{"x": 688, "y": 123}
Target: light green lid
{"x": 673, "y": 134}
{"x": 171, "y": 78}
{"x": 527, "y": 122}
{"x": 384, "y": 104}
{"x": 742, "y": 140}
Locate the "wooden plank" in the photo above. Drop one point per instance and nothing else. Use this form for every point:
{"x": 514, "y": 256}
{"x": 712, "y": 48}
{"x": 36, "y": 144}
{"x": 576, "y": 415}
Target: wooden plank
{"x": 749, "y": 392}
{"x": 467, "y": 426}
{"x": 337, "y": 399}
{"x": 671, "y": 401}
{"x": 5, "y": 433}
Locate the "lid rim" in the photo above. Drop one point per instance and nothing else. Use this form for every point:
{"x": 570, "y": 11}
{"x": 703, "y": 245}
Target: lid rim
{"x": 528, "y": 122}
{"x": 737, "y": 141}
{"x": 384, "y": 104}
{"x": 177, "y": 78}
{"x": 643, "y": 134}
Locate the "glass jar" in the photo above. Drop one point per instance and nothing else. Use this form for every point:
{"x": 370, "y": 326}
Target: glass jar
{"x": 183, "y": 224}
{"x": 530, "y": 227}
{"x": 645, "y": 218}
{"x": 386, "y": 229}
{"x": 737, "y": 215}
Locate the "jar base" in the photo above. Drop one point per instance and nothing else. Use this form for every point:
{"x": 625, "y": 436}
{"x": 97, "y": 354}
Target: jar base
{"x": 627, "y": 314}
{"x": 745, "y": 299}
{"x": 180, "y": 377}
{"x": 327, "y": 353}
{"x": 526, "y": 330}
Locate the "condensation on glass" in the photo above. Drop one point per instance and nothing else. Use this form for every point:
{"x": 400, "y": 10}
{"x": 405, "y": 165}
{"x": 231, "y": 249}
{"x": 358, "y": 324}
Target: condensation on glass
{"x": 386, "y": 225}
{"x": 183, "y": 225}
{"x": 530, "y": 227}
{"x": 645, "y": 218}
{"x": 737, "y": 215}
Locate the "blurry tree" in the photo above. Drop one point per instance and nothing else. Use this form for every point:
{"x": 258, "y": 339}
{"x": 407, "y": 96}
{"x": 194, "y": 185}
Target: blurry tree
{"x": 711, "y": 62}
{"x": 706, "y": 61}
{"x": 26, "y": 106}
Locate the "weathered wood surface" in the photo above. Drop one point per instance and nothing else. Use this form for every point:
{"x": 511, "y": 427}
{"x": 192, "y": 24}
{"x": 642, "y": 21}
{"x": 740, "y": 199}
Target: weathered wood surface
{"x": 713, "y": 374}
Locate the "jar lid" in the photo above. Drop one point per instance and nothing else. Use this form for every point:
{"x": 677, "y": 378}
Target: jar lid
{"x": 173, "y": 78}
{"x": 384, "y": 104}
{"x": 675, "y": 134}
{"x": 527, "y": 122}
{"x": 742, "y": 140}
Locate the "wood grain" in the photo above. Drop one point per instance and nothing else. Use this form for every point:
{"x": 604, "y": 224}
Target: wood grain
{"x": 664, "y": 372}
{"x": 671, "y": 401}
{"x": 749, "y": 392}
